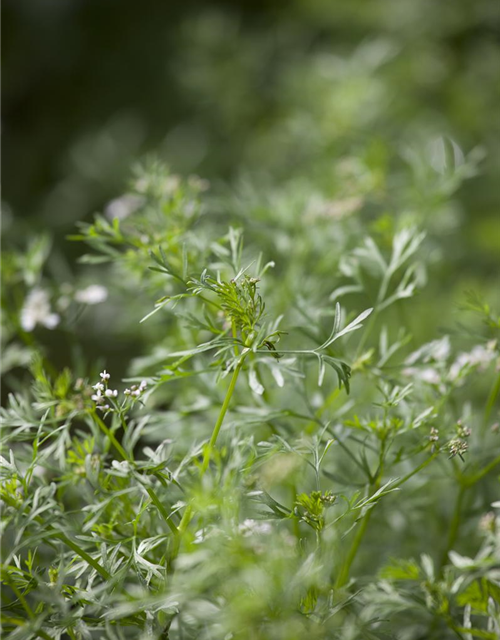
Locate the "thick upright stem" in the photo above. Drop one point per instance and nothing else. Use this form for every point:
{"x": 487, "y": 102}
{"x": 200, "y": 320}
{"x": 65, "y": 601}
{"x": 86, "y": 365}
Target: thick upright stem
{"x": 222, "y": 414}
{"x": 360, "y": 533}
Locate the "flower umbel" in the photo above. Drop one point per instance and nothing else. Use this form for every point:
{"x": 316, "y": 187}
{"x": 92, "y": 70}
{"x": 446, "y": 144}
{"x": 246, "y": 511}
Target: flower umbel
{"x": 36, "y": 310}
{"x": 458, "y": 448}
{"x": 104, "y": 393}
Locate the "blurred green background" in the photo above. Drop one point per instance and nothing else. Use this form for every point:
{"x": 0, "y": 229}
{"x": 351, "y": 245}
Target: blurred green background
{"x": 276, "y": 103}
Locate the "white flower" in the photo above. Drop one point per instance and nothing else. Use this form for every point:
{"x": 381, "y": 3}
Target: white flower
{"x": 427, "y": 374}
{"x": 135, "y": 390}
{"x": 250, "y": 527}
{"x": 103, "y": 407}
{"x": 93, "y": 294}
{"x": 478, "y": 357}
{"x": 430, "y": 375}
{"x": 482, "y": 356}
{"x": 124, "y": 206}
{"x": 36, "y": 310}
{"x": 109, "y": 393}
{"x": 98, "y": 397}
{"x": 105, "y": 375}
{"x": 98, "y": 386}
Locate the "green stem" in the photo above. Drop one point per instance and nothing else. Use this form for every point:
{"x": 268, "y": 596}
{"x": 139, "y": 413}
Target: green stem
{"x": 321, "y": 410}
{"x": 39, "y": 632}
{"x": 18, "y": 622}
{"x": 480, "y": 475}
{"x": 111, "y": 437}
{"x": 161, "y": 508}
{"x": 235, "y": 337}
{"x": 186, "y": 519}
{"x": 151, "y": 492}
{"x": 220, "y": 419}
{"x": 188, "y": 513}
{"x": 360, "y": 533}
{"x": 120, "y": 413}
{"x": 416, "y": 470}
{"x": 454, "y": 526}
{"x": 71, "y": 633}
{"x": 83, "y": 554}
{"x": 74, "y": 546}
{"x": 491, "y": 399}
{"x": 465, "y": 483}
{"x": 183, "y": 525}
{"x": 21, "y": 599}
{"x": 349, "y": 453}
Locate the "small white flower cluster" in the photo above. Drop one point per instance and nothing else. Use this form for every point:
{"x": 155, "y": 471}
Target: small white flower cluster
{"x": 426, "y": 374}
{"x": 462, "y": 430}
{"x": 458, "y": 447}
{"x": 37, "y": 310}
{"x": 435, "y": 354}
{"x": 93, "y": 294}
{"x": 480, "y": 357}
{"x": 435, "y": 351}
{"x": 434, "y": 434}
{"x": 434, "y": 438}
{"x": 251, "y": 527}
{"x": 136, "y": 391}
{"x": 102, "y": 392}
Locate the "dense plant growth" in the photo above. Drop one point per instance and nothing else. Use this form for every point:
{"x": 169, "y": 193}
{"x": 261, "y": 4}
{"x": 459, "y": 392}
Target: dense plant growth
{"x": 260, "y": 404}
{"x": 268, "y": 468}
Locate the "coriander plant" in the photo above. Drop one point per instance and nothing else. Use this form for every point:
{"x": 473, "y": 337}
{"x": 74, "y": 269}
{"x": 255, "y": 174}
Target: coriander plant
{"x": 280, "y": 460}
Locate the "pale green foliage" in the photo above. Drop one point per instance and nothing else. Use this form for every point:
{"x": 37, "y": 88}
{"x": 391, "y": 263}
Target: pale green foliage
{"x": 146, "y": 520}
